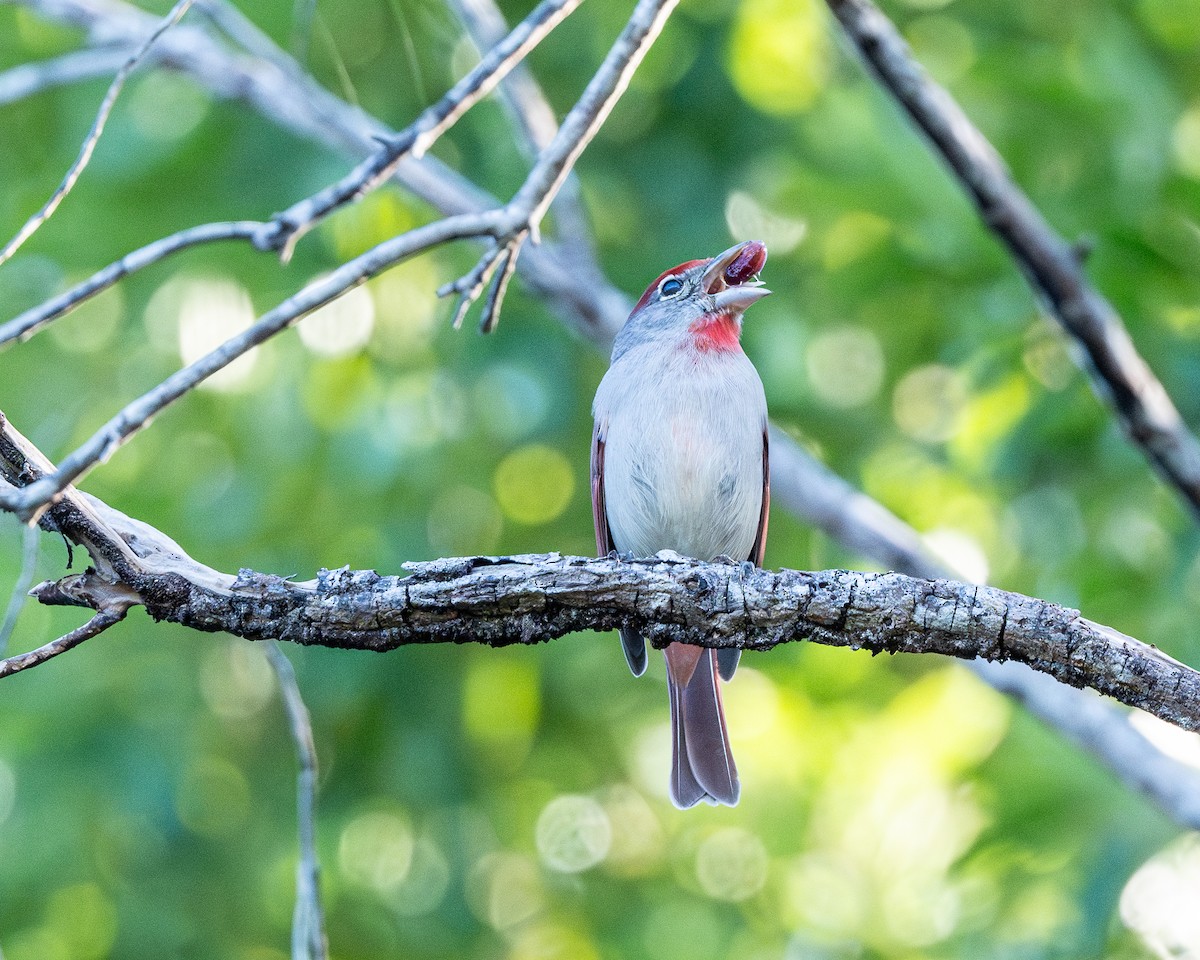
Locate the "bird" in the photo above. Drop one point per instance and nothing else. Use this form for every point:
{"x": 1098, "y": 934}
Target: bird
{"x": 680, "y": 462}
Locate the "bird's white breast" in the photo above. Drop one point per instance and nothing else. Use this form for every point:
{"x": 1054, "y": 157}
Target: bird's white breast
{"x": 683, "y": 465}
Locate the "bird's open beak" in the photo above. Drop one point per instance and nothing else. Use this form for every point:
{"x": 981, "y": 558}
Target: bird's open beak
{"x": 731, "y": 278}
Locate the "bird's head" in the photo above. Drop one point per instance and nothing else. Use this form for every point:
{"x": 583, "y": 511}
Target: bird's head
{"x": 700, "y": 303}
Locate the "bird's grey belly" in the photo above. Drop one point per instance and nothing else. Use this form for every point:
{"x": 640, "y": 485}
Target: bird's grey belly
{"x": 688, "y": 484}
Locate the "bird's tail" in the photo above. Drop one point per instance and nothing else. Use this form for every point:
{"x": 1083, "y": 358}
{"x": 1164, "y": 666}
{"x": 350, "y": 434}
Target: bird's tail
{"x": 702, "y": 766}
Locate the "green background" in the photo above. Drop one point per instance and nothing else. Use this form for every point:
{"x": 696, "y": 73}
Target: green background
{"x": 481, "y": 803}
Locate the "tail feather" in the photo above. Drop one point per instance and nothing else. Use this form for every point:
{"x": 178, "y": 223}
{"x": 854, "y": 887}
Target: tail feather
{"x": 634, "y": 645}
{"x": 702, "y": 764}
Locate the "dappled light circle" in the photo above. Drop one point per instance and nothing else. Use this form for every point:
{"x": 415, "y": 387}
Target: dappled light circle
{"x": 376, "y": 850}
{"x": 845, "y": 367}
{"x": 731, "y": 864}
{"x": 573, "y": 833}
{"x": 534, "y": 484}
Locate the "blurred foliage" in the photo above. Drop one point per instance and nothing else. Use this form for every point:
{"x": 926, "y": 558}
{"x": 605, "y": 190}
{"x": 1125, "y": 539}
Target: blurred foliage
{"x": 480, "y": 803}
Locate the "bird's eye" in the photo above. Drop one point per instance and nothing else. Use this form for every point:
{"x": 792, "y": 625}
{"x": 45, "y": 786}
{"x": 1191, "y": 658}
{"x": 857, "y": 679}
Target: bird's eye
{"x": 670, "y": 287}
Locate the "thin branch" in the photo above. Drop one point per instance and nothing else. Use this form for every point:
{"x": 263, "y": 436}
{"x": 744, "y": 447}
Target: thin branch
{"x": 272, "y": 83}
{"x": 420, "y": 135}
{"x": 1051, "y": 265}
{"x": 104, "y": 618}
{"x": 93, "y": 137}
{"x": 31, "y": 540}
{"x": 29, "y": 79}
{"x": 527, "y": 209}
{"x": 34, "y": 319}
{"x": 135, "y": 416}
{"x": 533, "y": 119}
{"x": 308, "y": 921}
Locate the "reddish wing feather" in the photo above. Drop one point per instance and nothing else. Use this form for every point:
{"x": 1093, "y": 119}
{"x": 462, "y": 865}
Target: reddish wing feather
{"x": 760, "y": 541}
{"x": 604, "y": 544}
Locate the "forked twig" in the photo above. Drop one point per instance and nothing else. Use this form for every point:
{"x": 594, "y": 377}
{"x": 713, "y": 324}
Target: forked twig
{"x": 93, "y": 137}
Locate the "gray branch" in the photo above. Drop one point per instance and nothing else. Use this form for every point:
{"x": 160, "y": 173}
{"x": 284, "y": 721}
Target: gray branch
{"x": 93, "y": 137}
{"x": 309, "y": 940}
{"x": 500, "y": 601}
{"x": 29, "y": 501}
{"x": 1051, "y": 265}
{"x": 29, "y": 79}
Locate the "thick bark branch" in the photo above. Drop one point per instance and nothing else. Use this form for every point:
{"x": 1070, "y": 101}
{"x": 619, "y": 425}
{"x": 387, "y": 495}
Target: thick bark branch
{"x": 500, "y": 601}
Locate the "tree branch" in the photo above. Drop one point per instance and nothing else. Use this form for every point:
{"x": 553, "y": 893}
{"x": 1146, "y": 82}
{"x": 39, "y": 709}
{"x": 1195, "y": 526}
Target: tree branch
{"x": 1052, "y": 266}
{"x": 500, "y": 601}
{"x": 28, "y": 79}
{"x": 105, "y": 617}
{"x": 135, "y": 416}
{"x": 309, "y": 941}
{"x": 34, "y": 319}
{"x": 93, "y": 137}
{"x": 525, "y": 212}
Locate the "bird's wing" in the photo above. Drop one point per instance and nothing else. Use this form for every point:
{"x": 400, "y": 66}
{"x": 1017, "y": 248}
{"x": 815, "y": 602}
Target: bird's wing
{"x": 604, "y": 544}
{"x": 760, "y": 540}
{"x": 632, "y": 641}
{"x": 728, "y": 657}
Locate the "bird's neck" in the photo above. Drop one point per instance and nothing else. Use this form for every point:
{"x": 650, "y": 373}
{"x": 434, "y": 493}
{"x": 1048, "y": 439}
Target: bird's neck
{"x": 716, "y": 333}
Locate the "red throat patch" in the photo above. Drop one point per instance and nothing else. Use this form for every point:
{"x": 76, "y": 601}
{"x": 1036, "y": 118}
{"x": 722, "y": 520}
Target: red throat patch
{"x": 716, "y": 333}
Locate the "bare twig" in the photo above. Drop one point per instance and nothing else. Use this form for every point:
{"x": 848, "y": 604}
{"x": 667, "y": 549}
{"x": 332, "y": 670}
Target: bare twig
{"x": 32, "y": 320}
{"x": 420, "y": 135}
{"x": 104, "y": 618}
{"x": 93, "y": 137}
{"x": 136, "y": 415}
{"x": 1051, "y": 265}
{"x": 31, "y": 539}
{"x": 272, "y": 83}
{"x": 525, "y": 212}
{"x": 28, "y": 79}
{"x": 533, "y": 118}
{"x": 308, "y": 921}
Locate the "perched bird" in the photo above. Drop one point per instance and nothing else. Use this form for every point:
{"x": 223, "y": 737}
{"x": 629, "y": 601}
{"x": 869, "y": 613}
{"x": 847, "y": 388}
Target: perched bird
{"x": 679, "y": 462}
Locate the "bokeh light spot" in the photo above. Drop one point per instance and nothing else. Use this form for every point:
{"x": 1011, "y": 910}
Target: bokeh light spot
{"x": 731, "y": 865}
{"x": 961, "y": 552}
{"x": 340, "y": 327}
{"x": 214, "y": 798}
{"x": 845, "y": 367}
{"x": 428, "y": 879}
{"x": 236, "y": 680}
{"x": 637, "y": 835}
{"x": 928, "y": 403}
{"x": 504, "y": 890}
{"x": 748, "y": 219}
{"x": 376, "y": 851}
{"x": 1159, "y": 901}
{"x": 85, "y": 918}
{"x": 502, "y": 704}
{"x": 779, "y": 54}
{"x": 8, "y": 791}
{"x": 534, "y": 484}
{"x": 212, "y": 310}
{"x": 853, "y": 235}
{"x": 1186, "y": 141}
{"x": 167, "y": 106}
{"x": 92, "y": 324}
{"x": 573, "y": 833}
